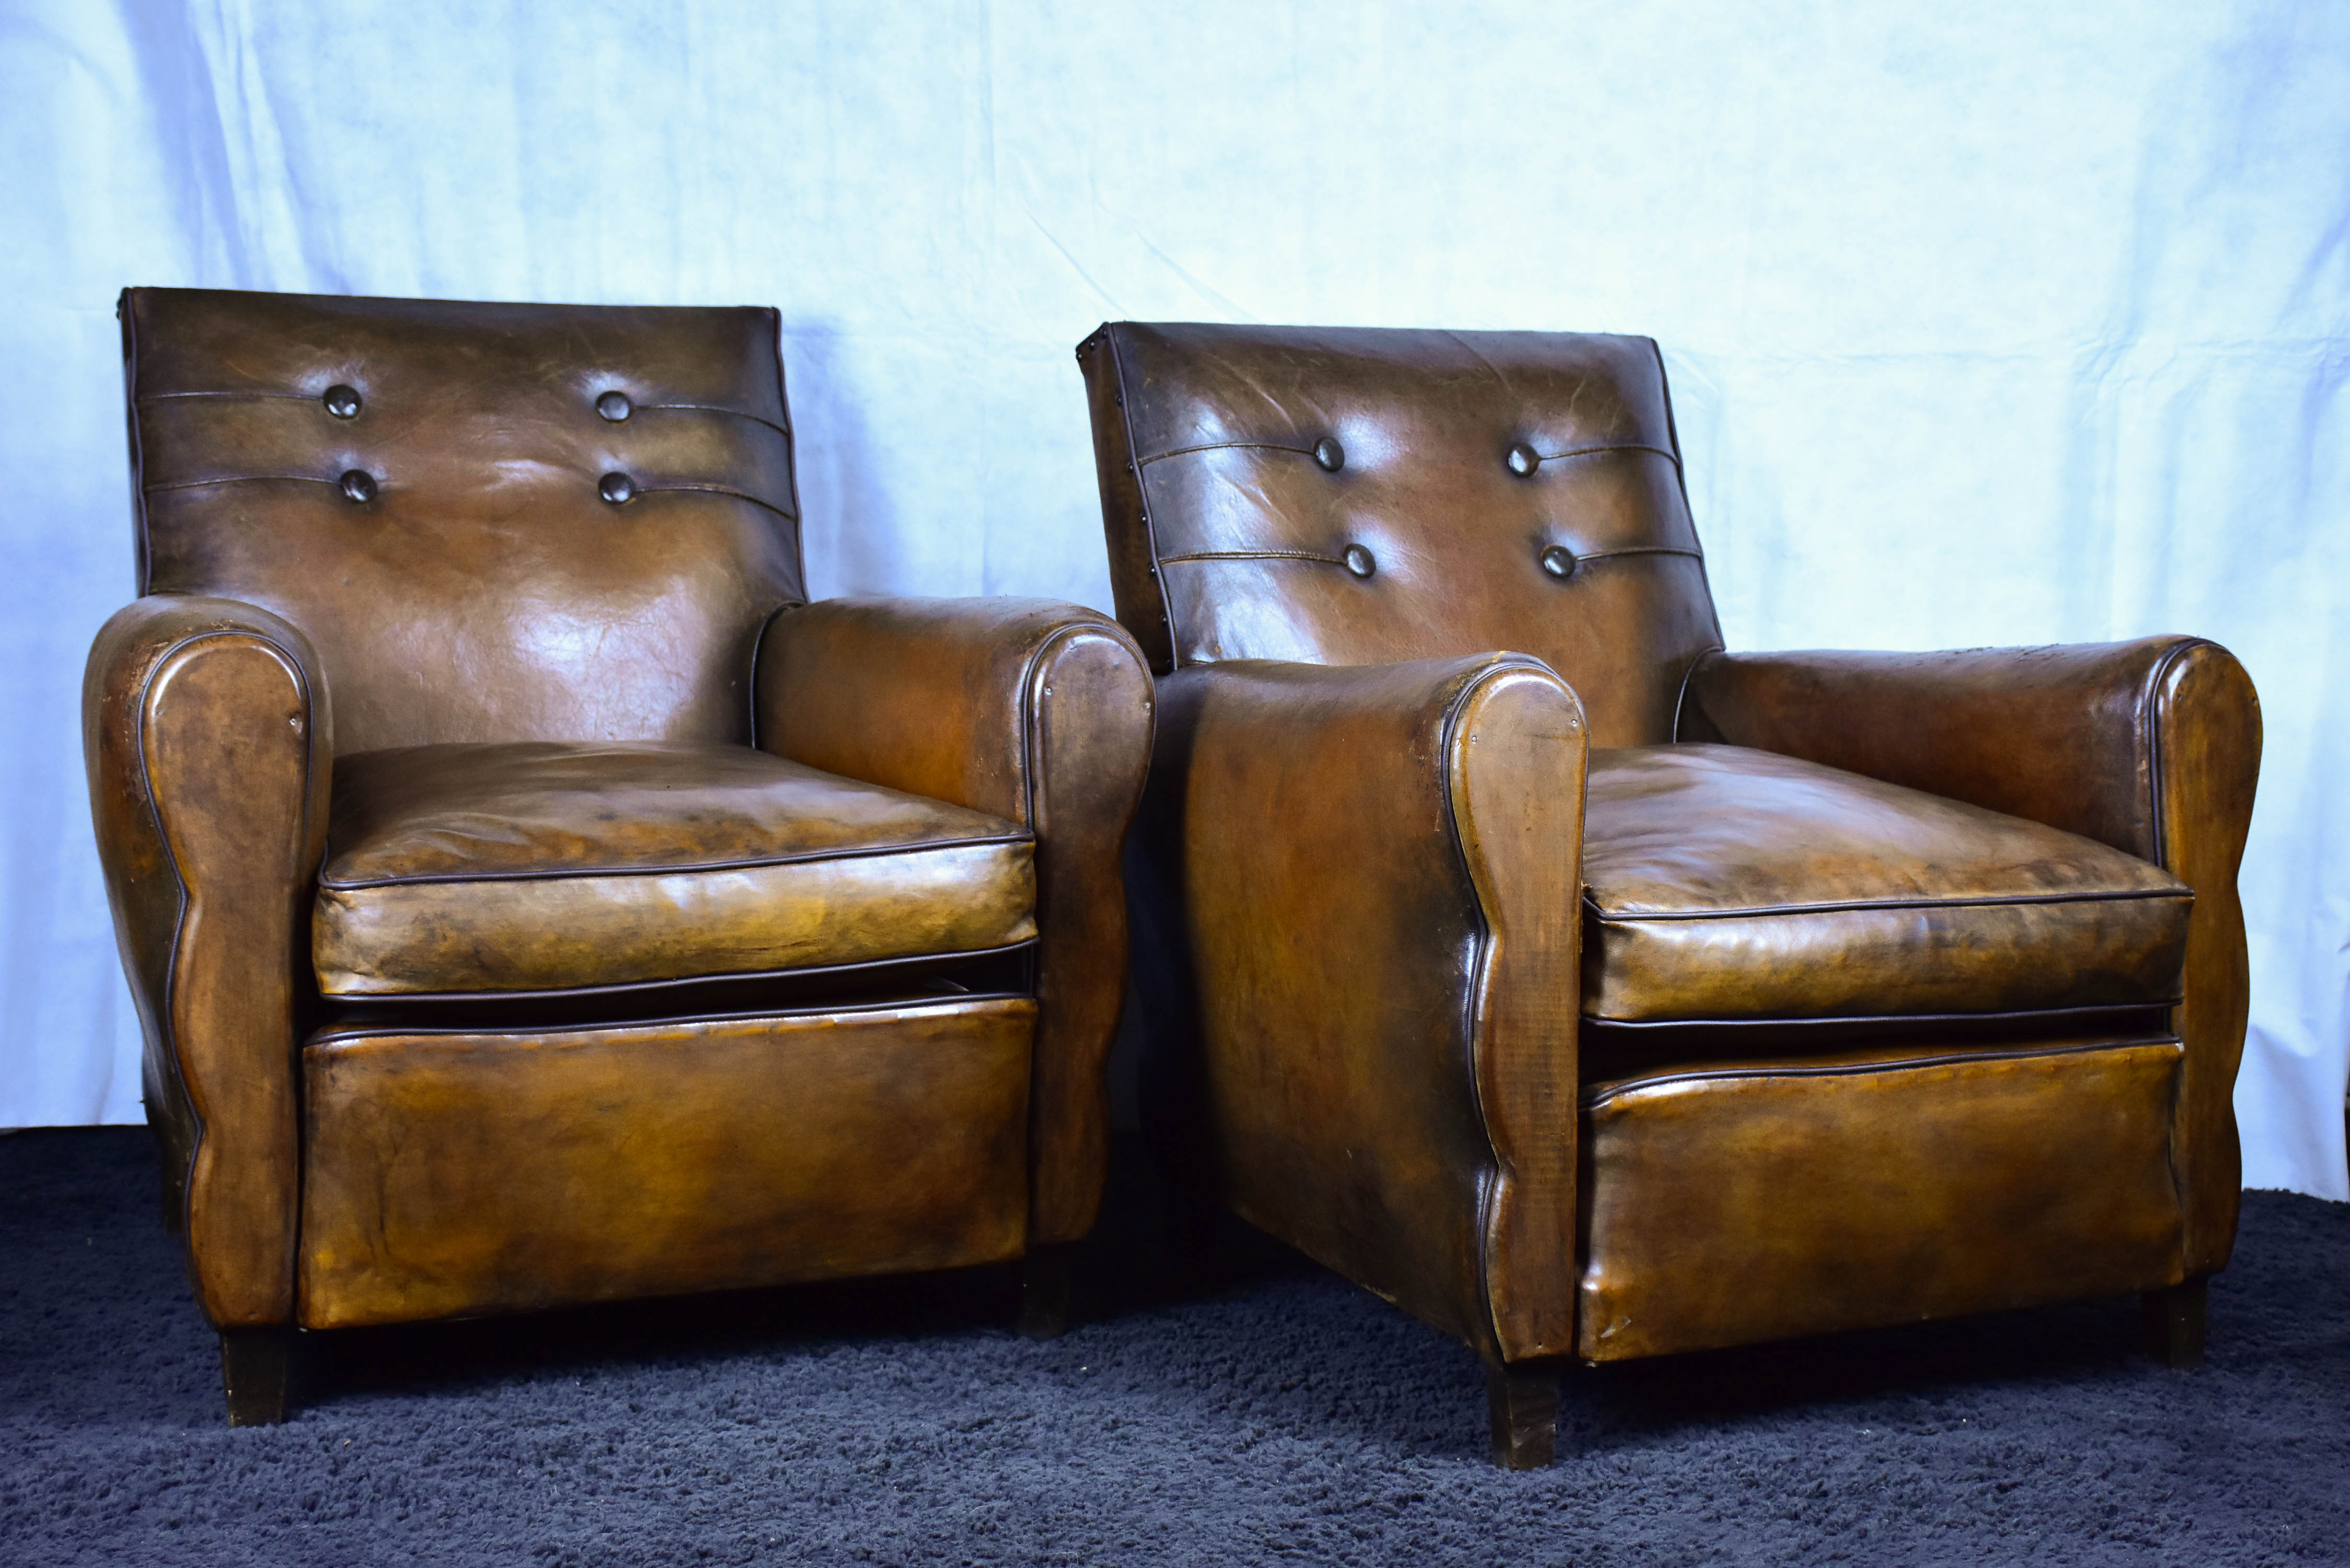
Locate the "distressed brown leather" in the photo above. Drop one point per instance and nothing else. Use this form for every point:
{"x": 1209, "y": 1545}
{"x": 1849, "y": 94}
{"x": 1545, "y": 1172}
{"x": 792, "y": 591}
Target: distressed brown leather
{"x": 1228, "y": 537}
{"x": 1788, "y": 1195}
{"x": 2152, "y": 747}
{"x": 1944, "y": 916}
{"x": 686, "y": 1156}
{"x": 488, "y": 593}
{"x": 1035, "y": 712}
{"x": 755, "y": 1015}
{"x": 536, "y": 866}
{"x": 206, "y": 732}
{"x": 1727, "y": 883}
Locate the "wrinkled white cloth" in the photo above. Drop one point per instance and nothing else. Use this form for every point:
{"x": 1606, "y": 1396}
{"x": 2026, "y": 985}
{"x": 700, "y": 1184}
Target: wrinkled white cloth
{"x": 1992, "y": 324}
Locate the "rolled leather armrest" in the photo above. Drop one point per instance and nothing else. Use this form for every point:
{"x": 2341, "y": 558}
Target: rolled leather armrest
{"x": 208, "y": 741}
{"x": 2151, "y": 746}
{"x": 1039, "y": 713}
{"x": 1377, "y": 906}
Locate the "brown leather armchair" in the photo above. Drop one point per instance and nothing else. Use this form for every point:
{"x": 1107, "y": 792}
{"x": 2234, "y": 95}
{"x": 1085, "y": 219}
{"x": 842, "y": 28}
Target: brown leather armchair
{"x": 528, "y": 899}
{"x": 1591, "y": 992}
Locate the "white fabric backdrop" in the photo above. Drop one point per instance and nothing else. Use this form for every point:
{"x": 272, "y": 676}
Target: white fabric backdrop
{"x": 1988, "y": 323}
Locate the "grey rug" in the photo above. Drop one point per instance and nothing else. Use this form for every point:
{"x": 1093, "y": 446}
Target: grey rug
{"x": 1238, "y": 1409}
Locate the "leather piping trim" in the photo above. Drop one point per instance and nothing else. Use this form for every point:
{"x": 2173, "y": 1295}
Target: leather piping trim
{"x": 576, "y": 873}
{"x": 717, "y": 408}
{"x": 1680, "y": 698}
{"x": 2055, "y": 1017}
{"x": 244, "y": 479}
{"x": 1251, "y": 555}
{"x": 168, "y": 1023}
{"x": 1599, "y": 1094}
{"x": 1680, "y": 478}
{"x": 331, "y": 1034}
{"x": 146, "y": 397}
{"x": 1638, "y": 550}
{"x": 1142, "y": 498}
{"x": 2150, "y": 720}
{"x": 625, "y": 988}
{"x": 1540, "y": 458}
{"x": 1223, "y": 446}
{"x": 1030, "y": 714}
{"x": 1843, "y": 904}
{"x": 1195, "y": 555}
{"x": 758, "y": 642}
{"x": 126, "y": 309}
{"x": 791, "y": 456}
{"x": 315, "y": 479}
{"x": 1669, "y": 456}
{"x": 716, "y": 490}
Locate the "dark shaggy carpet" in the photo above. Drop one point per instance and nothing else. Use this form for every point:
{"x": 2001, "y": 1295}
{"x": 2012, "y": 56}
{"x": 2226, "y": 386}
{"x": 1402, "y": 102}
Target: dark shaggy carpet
{"x": 1257, "y": 1410}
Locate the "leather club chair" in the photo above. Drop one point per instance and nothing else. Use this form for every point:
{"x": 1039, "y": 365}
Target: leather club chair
{"x": 529, "y": 899}
{"x": 1591, "y": 992}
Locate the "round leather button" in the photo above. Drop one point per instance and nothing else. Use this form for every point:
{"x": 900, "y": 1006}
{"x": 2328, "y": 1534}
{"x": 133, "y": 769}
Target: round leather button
{"x": 615, "y": 405}
{"x": 358, "y": 485}
{"x": 1329, "y": 454}
{"x": 1523, "y": 460}
{"x": 617, "y": 488}
{"x": 1358, "y": 560}
{"x": 342, "y": 401}
{"x": 1558, "y": 561}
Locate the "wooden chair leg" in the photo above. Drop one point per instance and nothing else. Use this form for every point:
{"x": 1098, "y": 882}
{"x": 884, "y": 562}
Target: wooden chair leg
{"x": 1047, "y": 1280}
{"x": 256, "y": 1365}
{"x": 1522, "y": 1400}
{"x": 2171, "y": 1324}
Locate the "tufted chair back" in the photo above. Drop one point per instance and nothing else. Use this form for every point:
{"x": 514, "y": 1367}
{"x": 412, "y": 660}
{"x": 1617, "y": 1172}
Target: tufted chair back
{"x": 493, "y": 522}
{"x": 1362, "y": 496}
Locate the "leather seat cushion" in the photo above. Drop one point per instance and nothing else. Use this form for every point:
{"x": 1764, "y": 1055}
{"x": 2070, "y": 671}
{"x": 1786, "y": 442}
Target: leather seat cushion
{"x": 464, "y": 869}
{"x": 1727, "y": 883}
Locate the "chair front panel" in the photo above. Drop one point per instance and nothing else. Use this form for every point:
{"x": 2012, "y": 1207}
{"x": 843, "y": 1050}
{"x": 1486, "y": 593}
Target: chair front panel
{"x": 448, "y": 1172}
{"x": 494, "y": 522}
{"x": 1369, "y": 496}
{"x": 1734, "y": 1202}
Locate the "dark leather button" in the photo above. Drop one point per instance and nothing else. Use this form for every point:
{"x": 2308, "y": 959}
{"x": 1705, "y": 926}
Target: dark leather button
{"x": 617, "y": 488}
{"x": 1558, "y": 561}
{"x": 342, "y": 401}
{"x": 1358, "y": 560}
{"x": 1330, "y": 454}
{"x": 359, "y": 485}
{"x": 1523, "y": 460}
{"x": 615, "y": 405}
